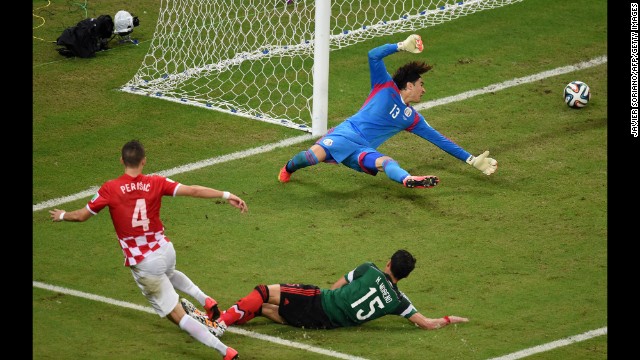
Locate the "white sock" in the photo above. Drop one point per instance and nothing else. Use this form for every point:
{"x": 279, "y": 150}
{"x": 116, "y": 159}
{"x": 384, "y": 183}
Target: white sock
{"x": 202, "y": 334}
{"x": 182, "y": 282}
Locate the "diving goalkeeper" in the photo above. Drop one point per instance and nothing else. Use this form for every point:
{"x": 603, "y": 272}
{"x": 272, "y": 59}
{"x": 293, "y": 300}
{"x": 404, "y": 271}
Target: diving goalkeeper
{"x": 386, "y": 111}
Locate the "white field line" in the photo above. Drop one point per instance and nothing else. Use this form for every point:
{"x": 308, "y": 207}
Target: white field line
{"x": 236, "y": 330}
{"x": 184, "y": 168}
{"x": 510, "y": 83}
{"x": 554, "y": 344}
{"x": 513, "y": 356}
{"x": 295, "y": 140}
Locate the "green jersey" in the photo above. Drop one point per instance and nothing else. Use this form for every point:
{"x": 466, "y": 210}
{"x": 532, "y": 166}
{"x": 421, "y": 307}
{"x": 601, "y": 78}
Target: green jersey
{"x": 368, "y": 295}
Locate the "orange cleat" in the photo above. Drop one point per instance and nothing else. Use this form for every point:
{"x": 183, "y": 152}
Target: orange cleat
{"x": 232, "y": 354}
{"x": 284, "y": 175}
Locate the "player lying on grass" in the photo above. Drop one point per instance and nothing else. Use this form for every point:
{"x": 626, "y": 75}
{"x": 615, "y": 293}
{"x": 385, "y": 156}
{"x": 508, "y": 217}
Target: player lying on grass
{"x": 364, "y": 294}
{"x": 386, "y": 111}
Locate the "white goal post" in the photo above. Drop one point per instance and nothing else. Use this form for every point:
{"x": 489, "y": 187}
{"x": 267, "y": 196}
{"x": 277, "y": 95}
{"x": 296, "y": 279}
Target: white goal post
{"x": 269, "y": 59}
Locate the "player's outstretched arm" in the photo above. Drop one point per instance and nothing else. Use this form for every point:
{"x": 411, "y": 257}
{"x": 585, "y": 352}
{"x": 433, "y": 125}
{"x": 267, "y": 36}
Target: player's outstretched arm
{"x": 209, "y": 193}
{"x": 79, "y": 215}
{"x": 412, "y": 44}
{"x": 483, "y": 163}
{"x": 238, "y": 203}
{"x": 432, "y": 324}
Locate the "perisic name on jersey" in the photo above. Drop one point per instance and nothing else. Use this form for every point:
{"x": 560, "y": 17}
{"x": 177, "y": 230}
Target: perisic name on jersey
{"x": 135, "y": 186}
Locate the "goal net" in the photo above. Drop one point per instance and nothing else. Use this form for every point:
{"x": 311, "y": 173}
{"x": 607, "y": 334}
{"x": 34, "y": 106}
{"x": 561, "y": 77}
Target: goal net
{"x": 255, "y": 58}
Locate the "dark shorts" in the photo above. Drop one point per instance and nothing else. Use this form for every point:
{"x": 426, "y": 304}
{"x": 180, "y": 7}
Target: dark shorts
{"x": 301, "y": 306}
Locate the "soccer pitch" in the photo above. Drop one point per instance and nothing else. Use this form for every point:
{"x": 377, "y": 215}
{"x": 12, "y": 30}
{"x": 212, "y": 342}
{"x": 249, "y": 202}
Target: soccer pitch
{"x": 522, "y": 253}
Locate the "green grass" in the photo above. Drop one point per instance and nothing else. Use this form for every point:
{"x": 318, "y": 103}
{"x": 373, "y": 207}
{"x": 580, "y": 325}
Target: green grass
{"x": 522, "y": 253}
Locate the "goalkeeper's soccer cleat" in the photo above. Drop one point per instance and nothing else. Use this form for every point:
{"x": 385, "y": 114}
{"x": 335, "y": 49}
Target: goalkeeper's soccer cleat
{"x": 418, "y": 182}
{"x": 284, "y": 176}
{"x": 232, "y": 354}
{"x": 211, "y": 306}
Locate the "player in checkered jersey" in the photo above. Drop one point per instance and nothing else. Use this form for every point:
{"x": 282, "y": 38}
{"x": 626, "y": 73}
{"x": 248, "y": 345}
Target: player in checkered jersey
{"x": 134, "y": 200}
{"x": 363, "y": 294}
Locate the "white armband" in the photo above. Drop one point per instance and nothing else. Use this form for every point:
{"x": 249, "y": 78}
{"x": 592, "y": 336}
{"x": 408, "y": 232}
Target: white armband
{"x": 225, "y": 195}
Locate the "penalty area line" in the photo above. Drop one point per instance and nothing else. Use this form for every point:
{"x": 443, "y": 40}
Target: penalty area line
{"x": 234, "y": 330}
{"x": 553, "y": 345}
{"x": 513, "y": 356}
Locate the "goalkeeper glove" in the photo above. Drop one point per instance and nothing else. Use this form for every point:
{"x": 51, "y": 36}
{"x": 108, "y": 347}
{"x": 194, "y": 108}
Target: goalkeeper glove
{"x": 413, "y": 44}
{"x": 483, "y": 163}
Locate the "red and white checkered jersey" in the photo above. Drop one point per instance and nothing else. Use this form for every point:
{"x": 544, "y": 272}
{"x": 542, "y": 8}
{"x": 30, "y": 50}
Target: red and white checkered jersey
{"x": 134, "y": 205}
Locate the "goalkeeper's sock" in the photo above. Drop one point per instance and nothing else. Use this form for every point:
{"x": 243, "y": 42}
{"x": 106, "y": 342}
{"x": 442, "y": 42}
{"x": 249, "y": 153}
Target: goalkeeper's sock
{"x": 301, "y": 160}
{"x": 246, "y": 308}
{"x": 394, "y": 171}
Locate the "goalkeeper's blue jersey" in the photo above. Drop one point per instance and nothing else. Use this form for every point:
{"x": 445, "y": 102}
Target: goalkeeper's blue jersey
{"x": 384, "y": 114}
{"x": 368, "y": 295}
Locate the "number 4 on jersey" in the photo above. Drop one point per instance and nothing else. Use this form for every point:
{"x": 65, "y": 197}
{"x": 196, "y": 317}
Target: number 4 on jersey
{"x": 139, "y": 217}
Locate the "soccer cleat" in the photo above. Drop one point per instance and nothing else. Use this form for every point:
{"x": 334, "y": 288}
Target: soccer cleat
{"x": 232, "y": 354}
{"x": 211, "y": 306}
{"x": 418, "y": 182}
{"x": 216, "y": 329}
{"x": 189, "y": 308}
{"x": 284, "y": 175}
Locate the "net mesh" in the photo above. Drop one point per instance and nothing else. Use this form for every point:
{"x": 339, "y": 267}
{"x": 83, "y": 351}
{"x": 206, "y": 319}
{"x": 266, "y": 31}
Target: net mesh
{"x": 254, "y": 58}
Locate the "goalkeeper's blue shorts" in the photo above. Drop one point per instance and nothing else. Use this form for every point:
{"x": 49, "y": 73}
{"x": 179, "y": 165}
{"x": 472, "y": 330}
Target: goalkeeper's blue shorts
{"x": 341, "y": 149}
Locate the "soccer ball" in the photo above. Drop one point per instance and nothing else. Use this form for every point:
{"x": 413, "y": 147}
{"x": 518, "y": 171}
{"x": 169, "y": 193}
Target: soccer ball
{"x": 577, "y": 94}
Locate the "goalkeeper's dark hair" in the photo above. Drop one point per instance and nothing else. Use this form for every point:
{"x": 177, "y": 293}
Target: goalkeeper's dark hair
{"x": 132, "y": 153}
{"x": 402, "y": 264}
{"x": 409, "y": 73}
